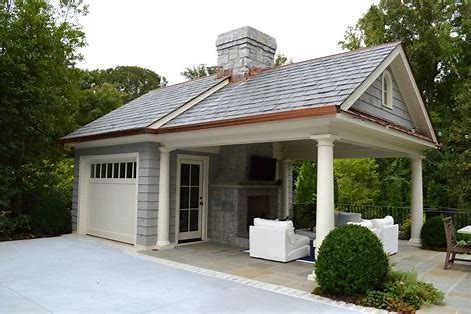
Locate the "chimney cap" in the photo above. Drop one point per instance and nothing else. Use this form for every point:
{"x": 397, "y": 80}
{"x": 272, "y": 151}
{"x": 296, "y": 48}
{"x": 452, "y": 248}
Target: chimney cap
{"x": 234, "y": 37}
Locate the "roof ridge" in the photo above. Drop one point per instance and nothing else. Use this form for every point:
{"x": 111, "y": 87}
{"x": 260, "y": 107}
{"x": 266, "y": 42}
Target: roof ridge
{"x": 393, "y": 43}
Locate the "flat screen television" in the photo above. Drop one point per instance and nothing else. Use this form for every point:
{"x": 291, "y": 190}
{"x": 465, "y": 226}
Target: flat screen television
{"x": 262, "y": 169}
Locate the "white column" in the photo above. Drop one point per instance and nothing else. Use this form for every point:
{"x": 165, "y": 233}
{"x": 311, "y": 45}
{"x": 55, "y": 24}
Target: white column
{"x": 325, "y": 188}
{"x": 164, "y": 196}
{"x": 285, "y": 199}
{"x": 417, "y": 205}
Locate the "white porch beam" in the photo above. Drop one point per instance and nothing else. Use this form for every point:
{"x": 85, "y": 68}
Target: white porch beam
{"x": 164, "y": 197}
{"x": 417, "y": 206}
{"x": 285, "y": 199}
{"x": 325, "y": 187}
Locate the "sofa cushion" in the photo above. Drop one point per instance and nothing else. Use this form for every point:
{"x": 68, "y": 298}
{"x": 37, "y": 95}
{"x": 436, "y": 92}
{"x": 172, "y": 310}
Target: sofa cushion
{"x": 380, "y": 223}
{"x": 276, "y": 224}
{"x": 365, "y": 223}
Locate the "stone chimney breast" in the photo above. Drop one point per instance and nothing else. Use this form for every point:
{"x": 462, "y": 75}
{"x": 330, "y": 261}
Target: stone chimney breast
{"x": 243, "y": 49}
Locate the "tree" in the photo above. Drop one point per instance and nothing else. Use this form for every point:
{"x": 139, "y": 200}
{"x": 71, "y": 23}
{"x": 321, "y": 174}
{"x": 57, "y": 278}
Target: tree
{"x": 435, "y": 36}
{"x": 281, "y": 59}
{"x": 305, "y": 183}
{"x": 97, "y": 101}
{"x": 357, "y": 181}
{"x": 38, "y": 83}
{"x": 198, "y": 71}
{"x": 132, "y": 81}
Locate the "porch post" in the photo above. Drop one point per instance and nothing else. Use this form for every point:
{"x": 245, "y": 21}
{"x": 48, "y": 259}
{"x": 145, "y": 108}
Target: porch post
{"x": 325, "y": 188}
{"x": 164, "y": 196}
{"x": 285, "y": 207}
{"x": 417, "y": 206}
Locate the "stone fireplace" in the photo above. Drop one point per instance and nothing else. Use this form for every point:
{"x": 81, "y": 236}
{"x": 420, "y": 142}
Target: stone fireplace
{"x": 234, "y": 200}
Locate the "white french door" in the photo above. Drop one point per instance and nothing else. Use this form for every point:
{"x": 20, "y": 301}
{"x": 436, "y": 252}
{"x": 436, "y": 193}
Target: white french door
{"x": 190, "y": 198}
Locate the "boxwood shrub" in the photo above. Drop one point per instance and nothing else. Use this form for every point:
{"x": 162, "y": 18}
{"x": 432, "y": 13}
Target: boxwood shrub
{"x": 351, "y": 261}
{"x": 433, "y": 233}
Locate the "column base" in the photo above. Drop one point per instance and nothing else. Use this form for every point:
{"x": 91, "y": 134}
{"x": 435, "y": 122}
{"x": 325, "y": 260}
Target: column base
{"x": 144, "y": 247}
{"x": 415, "y": 242}
{"x": 164, "y": 245}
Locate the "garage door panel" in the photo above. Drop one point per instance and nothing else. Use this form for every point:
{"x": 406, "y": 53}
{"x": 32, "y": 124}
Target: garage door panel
{"x": 112, "y": 208}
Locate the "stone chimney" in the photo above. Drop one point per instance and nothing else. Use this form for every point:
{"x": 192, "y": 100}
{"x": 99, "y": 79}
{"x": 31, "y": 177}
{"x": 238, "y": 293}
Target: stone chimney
{"x": 244, "y": 51}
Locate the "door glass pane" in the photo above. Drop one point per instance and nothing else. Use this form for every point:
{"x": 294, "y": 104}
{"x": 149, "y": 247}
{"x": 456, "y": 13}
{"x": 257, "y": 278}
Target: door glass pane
{"x": 194, "y": 220}
{"x": 183, "y": 221}
{"x": 184, "y": 197}
{"x": 129, "y": 170}
{"x": 116, "y": 170}
{"x": 185, "y": 174}
{"x": 92, "y": 173}
{"x": 194, "y": 197}
{"x": 122, "y": 170}
{"x": 103, "y": 170}
{"x": 97, "y": 170}
{"x": 195, "y": 175}
{"x": 109, "y": 172}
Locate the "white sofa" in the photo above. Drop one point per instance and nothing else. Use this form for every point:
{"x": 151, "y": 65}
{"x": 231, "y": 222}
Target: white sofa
{"x": 276, "y": 240}
{"x": 386, "y": 230}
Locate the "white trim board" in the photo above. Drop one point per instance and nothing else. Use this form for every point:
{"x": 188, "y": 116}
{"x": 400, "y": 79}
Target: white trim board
{"x": 157, "y": 124}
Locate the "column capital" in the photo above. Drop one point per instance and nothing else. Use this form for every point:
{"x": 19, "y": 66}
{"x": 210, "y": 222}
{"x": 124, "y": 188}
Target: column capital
{"x": 165, "y": 150}
{"x": 325, "y": 139}
{"x": 417, "y": 157}
{"x": 286, "y": 161}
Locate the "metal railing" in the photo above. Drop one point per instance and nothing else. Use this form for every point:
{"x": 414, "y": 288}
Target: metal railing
{"x": 304, "y": 214}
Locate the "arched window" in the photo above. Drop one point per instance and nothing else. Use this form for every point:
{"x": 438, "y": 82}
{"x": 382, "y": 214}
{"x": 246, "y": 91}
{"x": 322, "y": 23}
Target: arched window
{"x": 386, "y": 90}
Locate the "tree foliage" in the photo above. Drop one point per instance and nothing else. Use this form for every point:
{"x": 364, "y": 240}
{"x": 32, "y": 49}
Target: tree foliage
{"x": 39, "y": 44}
{"x": 198, "y": 71}
{"x": 43, "y": 97}
{"x": 132, "y": 81}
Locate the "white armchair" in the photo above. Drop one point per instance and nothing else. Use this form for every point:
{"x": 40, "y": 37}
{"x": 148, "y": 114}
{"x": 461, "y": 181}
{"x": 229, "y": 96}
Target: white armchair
{"x": 386, "y": 230}
{"x": 276, "y": 240}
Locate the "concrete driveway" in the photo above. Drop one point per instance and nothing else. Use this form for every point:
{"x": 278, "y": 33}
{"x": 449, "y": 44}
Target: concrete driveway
{"x": 66, "y": 274}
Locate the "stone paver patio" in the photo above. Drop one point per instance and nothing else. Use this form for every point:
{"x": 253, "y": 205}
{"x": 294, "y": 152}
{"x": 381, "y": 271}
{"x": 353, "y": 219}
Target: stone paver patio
{"x": 455, "y": 282}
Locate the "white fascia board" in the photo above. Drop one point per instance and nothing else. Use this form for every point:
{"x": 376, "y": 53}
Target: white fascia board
{"x": 417, "y": 94}
{"x": 275, "y": 131}
{"x": 157, "y": 124}
{"x": 370, "y": 79}
{"x": 377, "y": 128}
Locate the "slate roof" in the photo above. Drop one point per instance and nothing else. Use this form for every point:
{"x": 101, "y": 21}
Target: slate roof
{"x": 145, "y": 110}
{"x": 327, "y": 80}
{"x": 313, "y": 83}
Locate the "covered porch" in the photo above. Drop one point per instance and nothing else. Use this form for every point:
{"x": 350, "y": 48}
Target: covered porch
{"x": 229, "y": 194}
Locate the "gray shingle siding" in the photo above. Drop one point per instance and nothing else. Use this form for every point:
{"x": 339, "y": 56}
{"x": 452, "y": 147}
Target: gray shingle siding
{"x": 328, "y": 80}
{"x": 371, "y": 102}
{"x": 148, "y": 188}
{"x": 143, "y": 111}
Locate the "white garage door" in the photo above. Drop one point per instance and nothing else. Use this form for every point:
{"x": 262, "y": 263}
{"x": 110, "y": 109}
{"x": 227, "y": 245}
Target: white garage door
{"x": 112, "y": 200}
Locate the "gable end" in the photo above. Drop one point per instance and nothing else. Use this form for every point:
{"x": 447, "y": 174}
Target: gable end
{"x": 371, "y": 102}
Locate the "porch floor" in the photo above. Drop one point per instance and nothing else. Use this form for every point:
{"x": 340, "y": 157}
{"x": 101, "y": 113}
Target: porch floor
{"x": 455, "y": 282}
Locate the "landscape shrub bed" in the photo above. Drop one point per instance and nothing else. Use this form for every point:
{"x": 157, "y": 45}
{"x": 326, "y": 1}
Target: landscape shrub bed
{"x": 352, "y": 267}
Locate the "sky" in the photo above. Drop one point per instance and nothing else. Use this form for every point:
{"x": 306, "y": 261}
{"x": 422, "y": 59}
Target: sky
{"x": 168, "y": 36}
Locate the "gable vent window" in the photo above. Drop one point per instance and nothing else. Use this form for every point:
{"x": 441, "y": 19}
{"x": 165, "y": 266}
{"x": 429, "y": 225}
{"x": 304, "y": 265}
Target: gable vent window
{"x": 386, "y": 92}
